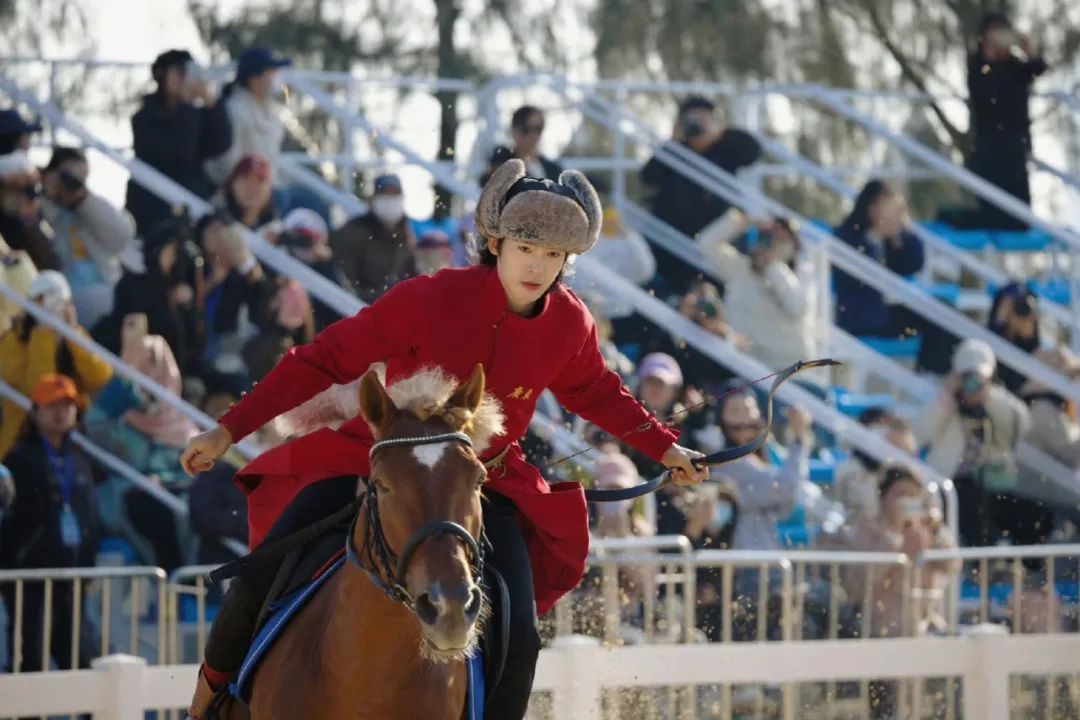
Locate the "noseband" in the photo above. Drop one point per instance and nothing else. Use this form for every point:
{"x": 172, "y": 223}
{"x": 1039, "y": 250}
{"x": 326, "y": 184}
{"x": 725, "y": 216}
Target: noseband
{"x": 382, "y": 566}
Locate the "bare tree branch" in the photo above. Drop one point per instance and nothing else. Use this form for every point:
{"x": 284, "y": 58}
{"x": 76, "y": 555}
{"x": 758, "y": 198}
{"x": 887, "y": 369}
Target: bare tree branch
{"x": 911, "y": 74}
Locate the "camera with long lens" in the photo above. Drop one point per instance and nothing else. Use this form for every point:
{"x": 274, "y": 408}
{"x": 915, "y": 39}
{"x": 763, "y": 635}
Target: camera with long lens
{"x": 693, "y": 129}
{"x": 70, "y": 181}
{"x": 1024, "y": 306}
{"x": 971, "y": 384}
{"x": 179, "y": 229}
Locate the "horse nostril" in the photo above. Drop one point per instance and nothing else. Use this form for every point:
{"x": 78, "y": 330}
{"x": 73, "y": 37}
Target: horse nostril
{"x": 426, "y": 609}
{"x": 476, "y": 601}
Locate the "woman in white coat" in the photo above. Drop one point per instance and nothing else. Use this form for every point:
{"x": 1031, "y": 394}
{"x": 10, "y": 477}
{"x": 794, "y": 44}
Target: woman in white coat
{"x": 770, "y": 294}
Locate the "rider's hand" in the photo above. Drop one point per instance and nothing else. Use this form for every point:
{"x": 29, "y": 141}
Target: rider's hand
{"x": 683, "y": 471}
{"x": 204, "y": 449}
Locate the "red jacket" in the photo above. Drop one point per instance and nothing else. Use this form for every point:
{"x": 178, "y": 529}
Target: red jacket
{"x": 455, "y": 319}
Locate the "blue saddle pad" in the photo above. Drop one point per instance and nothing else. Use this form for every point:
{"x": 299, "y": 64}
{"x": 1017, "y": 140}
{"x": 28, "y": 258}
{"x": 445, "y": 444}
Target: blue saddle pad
{"x": 286, "y": 609}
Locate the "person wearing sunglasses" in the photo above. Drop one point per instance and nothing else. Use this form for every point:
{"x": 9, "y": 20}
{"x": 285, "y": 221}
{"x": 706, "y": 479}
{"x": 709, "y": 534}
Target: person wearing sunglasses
{"x": 89, "y": 233}
{"x": 526, "y": 129}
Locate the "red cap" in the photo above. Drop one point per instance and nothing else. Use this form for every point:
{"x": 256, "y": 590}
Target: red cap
{"x": 253, "y": 165}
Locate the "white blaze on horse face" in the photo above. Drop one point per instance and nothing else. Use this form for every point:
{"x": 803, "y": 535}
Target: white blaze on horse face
{"x": 430, "y": 455}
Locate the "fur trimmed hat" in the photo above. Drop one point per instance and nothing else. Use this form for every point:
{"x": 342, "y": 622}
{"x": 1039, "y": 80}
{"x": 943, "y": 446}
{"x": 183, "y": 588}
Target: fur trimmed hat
{"x": 563, "y": 216}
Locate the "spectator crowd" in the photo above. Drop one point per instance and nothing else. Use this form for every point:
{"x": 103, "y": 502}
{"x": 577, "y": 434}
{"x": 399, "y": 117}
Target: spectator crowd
{"x": 184, "y": 302}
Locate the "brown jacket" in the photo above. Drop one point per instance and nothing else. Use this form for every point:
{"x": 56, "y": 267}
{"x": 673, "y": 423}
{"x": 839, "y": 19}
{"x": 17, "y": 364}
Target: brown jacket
{"x": 372, "y": 256}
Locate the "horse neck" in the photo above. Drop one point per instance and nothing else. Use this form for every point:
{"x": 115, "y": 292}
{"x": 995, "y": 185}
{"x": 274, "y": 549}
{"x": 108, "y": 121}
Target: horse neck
{"x": 363, "y": 616}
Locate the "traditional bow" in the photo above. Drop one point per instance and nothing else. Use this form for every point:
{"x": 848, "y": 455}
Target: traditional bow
{"x": 720, "y": 457}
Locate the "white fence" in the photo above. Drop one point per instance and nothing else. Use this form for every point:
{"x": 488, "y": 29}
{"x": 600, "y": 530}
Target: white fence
{"x": 577, "y": 670}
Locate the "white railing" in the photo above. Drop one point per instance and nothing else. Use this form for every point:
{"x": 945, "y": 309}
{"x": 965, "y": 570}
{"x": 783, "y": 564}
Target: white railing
{"x": 967, "y": 260}
{"x": 122, "y": 368}
{"x": 577, "y": 670}
{"x": 656, "y": 311}
{"x": 719, "y": 181}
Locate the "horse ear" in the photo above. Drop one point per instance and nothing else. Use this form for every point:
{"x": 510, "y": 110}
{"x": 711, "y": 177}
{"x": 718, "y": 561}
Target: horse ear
{"x": 469, "y": 395}
{"x": 375, "y": 403}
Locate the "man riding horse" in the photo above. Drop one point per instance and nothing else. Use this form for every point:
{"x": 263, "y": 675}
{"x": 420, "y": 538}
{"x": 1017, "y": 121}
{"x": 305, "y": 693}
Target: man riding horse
{"x": 513, "y": 315}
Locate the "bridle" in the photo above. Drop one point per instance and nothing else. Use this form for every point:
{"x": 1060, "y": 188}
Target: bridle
{"x": 375, "y": 557}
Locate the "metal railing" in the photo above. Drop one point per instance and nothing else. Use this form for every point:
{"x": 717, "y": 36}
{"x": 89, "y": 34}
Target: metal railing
{"x": 87, "y": 584}
{"x": 719, "y": 181}
{"x": 658, "y": 312}
{"x": 122, "y": 368}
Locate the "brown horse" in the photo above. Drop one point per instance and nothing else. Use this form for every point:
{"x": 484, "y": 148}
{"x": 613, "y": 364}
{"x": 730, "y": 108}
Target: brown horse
{"x": 387, "y": 635}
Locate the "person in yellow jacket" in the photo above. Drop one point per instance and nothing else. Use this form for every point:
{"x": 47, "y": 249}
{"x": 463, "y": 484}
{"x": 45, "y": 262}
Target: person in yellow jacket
{"x": 29, "y": 351}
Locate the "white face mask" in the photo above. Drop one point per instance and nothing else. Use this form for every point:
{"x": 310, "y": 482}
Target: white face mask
{"x": 388, "y": 208}
{"x": 722, "y": 515}
{"x": 277, "y": 83}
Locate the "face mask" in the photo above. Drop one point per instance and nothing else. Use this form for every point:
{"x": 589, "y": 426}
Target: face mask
{"x": 722, "y": 514}
{"x": 277, "y": 83}
{"x": 388, "y": 208}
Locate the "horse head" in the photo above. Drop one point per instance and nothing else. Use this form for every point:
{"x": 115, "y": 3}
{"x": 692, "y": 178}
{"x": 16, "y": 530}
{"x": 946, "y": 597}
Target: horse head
{"x": 423, "y": 537}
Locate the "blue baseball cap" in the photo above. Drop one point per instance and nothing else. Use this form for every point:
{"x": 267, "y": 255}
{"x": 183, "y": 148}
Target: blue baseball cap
{"x": 12, "y": 123}
{"x": 255, "y": 61}
{"x": 387, "y": 182}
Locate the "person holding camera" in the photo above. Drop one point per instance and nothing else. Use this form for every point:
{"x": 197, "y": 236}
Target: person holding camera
{"x": 683, "y": 203}
{"x": 972, "y": 430}
{"x": 165, "y": 291}
{"x": 179, "y": 126}
{"x": 1000, "y": 74}
{"x": 769, "y": 292}
{"x": 1014, "y": 315}
{"x": 89, "y": 233}
{"x": 20, "y": 190}
{"x": 877, "y": 227}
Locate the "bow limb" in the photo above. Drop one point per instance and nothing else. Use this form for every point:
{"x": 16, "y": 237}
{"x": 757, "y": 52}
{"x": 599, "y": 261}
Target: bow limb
{"x": 729, "y": 454}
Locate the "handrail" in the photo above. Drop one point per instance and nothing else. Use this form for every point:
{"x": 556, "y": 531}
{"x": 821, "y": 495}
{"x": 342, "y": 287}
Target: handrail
{"x": 967, "y": 260}
{"x": 108, "y": 460}
{"x": 383, "y": 139}
{"x": 718, "y": 180}
{"x": 168, "y": 189}
{"x": 962, "y": 176}
{"x": 708, "y": 344}
{"x": 145, "y": 382}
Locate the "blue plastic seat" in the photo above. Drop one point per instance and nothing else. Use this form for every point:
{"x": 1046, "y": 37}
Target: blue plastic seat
{"x": 822, "y": 472}
{"x": 1026, "y": 241}
{"x": 120, "y": 548}
{"x": 973, "y": 240}
{"x": 901, "y": 348}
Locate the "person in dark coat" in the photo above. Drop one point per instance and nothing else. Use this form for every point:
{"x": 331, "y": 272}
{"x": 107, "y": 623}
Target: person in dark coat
{"x": 1000, "y": 74}
{"x": 526, "y": 130}
{"x": 376, "y": 250}
{"x": 175, "y": 136}
{"x": 218, "y": 509}
{"x": 1014, "y": 315}
{"x": 877, "y": 228}
{"x": 51, "y": 524}
{"x": 164, "y": 292}
{"x": 20, "y": 209}
{"x": 683, "y": 203}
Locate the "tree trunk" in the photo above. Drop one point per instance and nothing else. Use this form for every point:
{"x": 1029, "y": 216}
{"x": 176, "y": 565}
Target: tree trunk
{"x": 447, "y": 13}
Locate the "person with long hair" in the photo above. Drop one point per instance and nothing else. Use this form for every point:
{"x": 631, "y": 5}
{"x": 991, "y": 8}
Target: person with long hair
{"x": 877, "y": 227}
{"x": 513, "y": 315}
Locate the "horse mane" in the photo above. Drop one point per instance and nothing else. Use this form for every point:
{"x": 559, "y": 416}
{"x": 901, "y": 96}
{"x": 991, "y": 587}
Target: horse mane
{"x": 424, "y": 394}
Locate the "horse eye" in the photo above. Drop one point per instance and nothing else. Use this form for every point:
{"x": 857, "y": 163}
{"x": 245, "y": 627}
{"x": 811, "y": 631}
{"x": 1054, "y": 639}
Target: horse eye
{"x": 379, "y": 486}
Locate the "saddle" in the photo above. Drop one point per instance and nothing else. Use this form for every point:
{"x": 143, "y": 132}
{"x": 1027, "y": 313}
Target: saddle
{"x": 310, "y": 557}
